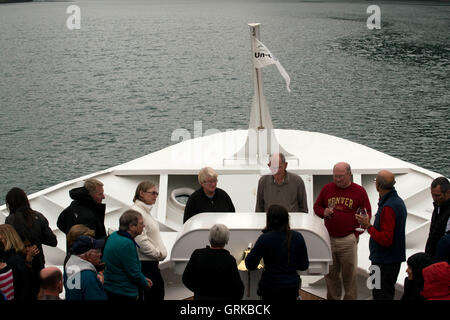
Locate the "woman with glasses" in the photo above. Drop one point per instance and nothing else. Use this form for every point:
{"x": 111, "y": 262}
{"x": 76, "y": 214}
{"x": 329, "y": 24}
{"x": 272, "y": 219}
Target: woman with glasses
{"x": 151, "y": 247}
{"x": 208, "y": 198}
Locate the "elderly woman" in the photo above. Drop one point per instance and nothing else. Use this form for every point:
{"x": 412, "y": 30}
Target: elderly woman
{"x": 151, "y": 247}
{"x": 284, "y": 252}
{"x": 211, "y": 272}
{"x": 208, "y": 198}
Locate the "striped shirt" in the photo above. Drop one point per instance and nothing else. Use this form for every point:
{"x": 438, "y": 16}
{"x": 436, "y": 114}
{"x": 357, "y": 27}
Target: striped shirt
{"x": 6, "y": 282}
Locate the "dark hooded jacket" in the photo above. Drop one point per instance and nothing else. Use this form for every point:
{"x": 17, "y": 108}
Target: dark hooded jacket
{"x": 412, "y": 288}
{"x": 83, "y": 210}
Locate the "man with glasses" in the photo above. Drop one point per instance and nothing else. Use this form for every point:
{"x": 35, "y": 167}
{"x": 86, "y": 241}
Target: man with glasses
{"x": 282, "y": 188}
{"x": 123, "y": 274}
{"x": 81, "y": 280}
{"x": 337, "y": 204}
{"x": 208, "y": 198}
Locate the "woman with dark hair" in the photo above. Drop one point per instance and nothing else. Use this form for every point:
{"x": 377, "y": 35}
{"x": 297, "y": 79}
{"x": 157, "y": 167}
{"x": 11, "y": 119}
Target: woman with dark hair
{"x": 284, "y": 252}
{"x": 413, "y": 284}
{"x": 32, "y": 227}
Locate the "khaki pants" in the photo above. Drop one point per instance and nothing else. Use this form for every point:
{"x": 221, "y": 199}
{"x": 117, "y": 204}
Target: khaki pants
{"x": 345, "y": 262}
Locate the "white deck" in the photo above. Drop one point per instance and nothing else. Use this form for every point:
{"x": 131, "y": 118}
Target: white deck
{"x": 177, "y": 166}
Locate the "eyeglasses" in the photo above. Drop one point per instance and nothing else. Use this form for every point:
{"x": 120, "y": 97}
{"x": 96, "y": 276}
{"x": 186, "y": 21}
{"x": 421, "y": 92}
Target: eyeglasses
{"x": 153, "y": 193}
{"x": 210, "y": 181}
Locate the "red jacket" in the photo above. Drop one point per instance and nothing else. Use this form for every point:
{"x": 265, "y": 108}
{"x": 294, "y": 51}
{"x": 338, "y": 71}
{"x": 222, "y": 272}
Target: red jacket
{"x": 436, "y": 281}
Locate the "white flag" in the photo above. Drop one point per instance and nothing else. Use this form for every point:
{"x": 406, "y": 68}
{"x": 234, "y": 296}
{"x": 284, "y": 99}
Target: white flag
{"x": 263, "y": 57}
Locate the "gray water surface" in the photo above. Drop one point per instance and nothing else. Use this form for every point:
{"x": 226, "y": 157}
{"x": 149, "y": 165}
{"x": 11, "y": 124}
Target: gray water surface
{"x": 73, "y": 102}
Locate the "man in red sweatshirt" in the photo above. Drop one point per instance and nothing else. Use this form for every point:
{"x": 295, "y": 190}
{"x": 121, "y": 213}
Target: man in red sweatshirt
{"x": 337, "y": 204}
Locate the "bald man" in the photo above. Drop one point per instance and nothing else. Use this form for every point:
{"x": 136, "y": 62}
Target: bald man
{"x": 51, "y": 282}
{"x": 387, "y": 235}
{"x": 282, "y": 187}
{"x": 337, "y": 204}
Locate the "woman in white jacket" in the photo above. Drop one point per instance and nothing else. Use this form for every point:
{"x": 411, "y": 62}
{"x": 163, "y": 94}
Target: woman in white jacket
{"x": 152, "y": 249}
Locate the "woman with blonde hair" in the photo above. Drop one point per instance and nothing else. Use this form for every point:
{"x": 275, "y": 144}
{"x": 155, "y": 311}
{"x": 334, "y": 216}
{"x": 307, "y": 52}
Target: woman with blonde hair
{"x": 73, "y": 234}
{"x": 19, "y": 258}
{"x": 151, "y": 247}
{"x": 208, "y": 198}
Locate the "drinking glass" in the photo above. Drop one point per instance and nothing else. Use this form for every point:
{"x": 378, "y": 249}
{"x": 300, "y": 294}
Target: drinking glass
{"x": 362, "y": 212}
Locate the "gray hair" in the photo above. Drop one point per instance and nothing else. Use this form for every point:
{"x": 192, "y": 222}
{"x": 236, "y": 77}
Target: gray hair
{"x": 127, "y": 219}
{"x": 282, "y": 157}
{"x": 92, "y": 184}
{"x": 206, "y": 173}
{"x": 219, "y": 235}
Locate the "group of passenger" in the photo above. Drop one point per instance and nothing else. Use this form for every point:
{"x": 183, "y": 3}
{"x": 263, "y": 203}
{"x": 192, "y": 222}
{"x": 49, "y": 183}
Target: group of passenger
{"x": 125, "y": 264}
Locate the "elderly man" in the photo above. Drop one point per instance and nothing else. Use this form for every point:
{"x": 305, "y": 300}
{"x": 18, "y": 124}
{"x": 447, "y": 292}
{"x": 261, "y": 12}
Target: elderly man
{"x": 337, "y": 204}
{"x": 282, "y": 188}
{"x": 86, "y": 208}
{"x": 81, "y": 280}
{"x": 123, "y": 276}
{"x": 51, "y": 283}
{"x": 208, "y": 198}
{"x": 440, "y": 192}
{"x": 387, "y": 235}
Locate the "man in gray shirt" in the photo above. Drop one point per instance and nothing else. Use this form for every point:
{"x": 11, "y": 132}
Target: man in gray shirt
{"x": 282, "y": 188}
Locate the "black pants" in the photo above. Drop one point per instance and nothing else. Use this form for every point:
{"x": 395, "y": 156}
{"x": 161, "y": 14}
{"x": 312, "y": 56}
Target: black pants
{"x": 118, "y": 297}
{"x": 156, "y": 292}
{"x": 389, "y": 274}
{"x": 279, "y": 294}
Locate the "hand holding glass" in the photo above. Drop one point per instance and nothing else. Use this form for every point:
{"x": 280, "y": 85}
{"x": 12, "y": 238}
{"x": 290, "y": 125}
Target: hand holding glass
{"x": 361, "y": 212}
{"x": 331, "y": 205}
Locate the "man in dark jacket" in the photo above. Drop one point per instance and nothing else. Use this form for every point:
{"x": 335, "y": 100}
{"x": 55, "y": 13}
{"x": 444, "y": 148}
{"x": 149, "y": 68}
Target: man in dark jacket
{"x": 387, "y": 242}
{"x": 86, "y": 208}
{"x": 440, "y": 192}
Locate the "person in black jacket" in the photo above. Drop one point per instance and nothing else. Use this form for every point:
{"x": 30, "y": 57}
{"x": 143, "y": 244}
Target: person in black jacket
{"x": 284, "y": 252}
{"x": 32, "y": 227}
{"x": 440, "y": 192}
{"x": 413, "y": 284}
{"x": 208, "y": 198}
{"x": 86, "y": 208}
{"x": 211, "y": 272}
{"x": 19, "y": 259}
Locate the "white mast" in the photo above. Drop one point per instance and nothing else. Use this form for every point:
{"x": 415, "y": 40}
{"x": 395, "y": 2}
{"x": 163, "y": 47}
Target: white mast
{"x": 261, "y": 141}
